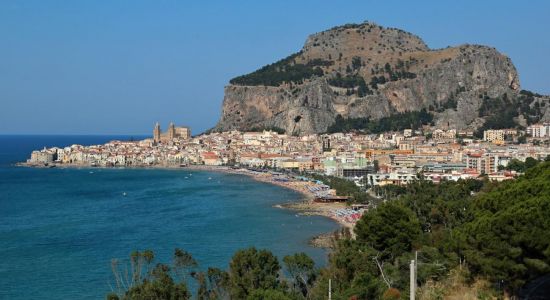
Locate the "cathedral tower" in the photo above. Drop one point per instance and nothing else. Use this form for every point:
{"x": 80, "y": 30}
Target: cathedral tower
{"x": 156, "y": 133}
{"x": 171, "y": 131}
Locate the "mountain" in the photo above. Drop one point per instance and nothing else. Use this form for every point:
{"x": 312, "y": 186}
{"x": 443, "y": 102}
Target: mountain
{"x": 365, "y": 71}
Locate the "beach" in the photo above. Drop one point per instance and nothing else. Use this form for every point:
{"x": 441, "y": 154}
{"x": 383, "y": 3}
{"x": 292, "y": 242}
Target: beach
{"x": 337, "y": 211}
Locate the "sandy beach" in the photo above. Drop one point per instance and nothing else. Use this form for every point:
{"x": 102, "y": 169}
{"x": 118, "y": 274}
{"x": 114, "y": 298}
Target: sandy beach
{"x": 339, "y": 212}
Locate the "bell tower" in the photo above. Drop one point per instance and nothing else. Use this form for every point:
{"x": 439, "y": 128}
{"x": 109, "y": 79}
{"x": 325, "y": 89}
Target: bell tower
{"x": 171, "y": 131}
{"x": 156, "y": 133}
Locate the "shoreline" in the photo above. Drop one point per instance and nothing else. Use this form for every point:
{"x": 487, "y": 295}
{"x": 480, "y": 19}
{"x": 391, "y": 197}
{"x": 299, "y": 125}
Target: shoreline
{"x": 303, "y": 206}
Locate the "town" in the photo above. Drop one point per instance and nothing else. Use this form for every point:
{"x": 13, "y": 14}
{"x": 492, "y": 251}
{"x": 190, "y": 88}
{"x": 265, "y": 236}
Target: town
{"x": 369, "y": 159}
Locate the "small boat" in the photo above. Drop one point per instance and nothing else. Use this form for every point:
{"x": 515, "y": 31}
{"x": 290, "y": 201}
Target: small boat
{"x": 209, "y": 178}
{"x": 124, "y": 194}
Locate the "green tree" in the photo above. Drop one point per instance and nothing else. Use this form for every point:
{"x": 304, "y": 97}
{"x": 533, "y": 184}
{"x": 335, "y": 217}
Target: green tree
{"x": 161, "y": 286}
{"x": 284, "y": 70}
{"x": 507, "y": 241}
{"x": 184, "y": 263}
{"x": 390, "y": 229}
{"x": 520, "y": 166}
{"x": 218, "y": 281}
{"x": 252, "y": 269}
{"x": 202, "y": 291}
{"x": 301, "y": 269}
{"x": 530, "y": 163}
{"x": 268, "y": 295}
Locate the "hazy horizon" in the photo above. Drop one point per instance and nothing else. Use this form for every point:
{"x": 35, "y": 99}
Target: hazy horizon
{"x": 116, "y": 68}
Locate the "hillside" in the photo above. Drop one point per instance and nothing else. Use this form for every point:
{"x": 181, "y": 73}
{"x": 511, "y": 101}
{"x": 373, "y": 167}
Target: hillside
{"x": 368, "y": 71}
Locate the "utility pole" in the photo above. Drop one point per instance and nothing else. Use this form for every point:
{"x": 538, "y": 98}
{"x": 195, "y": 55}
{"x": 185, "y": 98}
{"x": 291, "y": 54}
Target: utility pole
{"x": 330, "y": 289}
{"x": 415, "y": 269}
{"x": 413, "y": 276}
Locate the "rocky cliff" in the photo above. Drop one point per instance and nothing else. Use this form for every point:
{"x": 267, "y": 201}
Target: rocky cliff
{"x": 368, "y": 71}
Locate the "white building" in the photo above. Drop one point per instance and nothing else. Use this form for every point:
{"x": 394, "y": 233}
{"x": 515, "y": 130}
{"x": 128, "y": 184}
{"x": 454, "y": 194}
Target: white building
{"x": 539, "y": 130}
{"x": 493, "y": 135}
{"x": 396, "y": 178}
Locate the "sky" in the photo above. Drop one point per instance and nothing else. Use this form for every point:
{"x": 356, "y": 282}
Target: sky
{"x": 117, "y": 67}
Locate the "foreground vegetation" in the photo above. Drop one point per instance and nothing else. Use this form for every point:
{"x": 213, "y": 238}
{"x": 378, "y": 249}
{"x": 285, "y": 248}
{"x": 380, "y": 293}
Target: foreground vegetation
{"x": 490, "y": 235}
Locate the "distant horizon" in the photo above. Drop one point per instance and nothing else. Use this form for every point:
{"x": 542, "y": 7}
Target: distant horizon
{"x": 74, "y": 134}
{"x": 75, "y": 68}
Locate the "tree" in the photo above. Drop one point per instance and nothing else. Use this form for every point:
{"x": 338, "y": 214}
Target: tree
{"x": 395, "y": 122}
{"x": 183, "y": 263}
{"x": 284, "y": 70}
{"x": 389, "y": 229}
{"x": 218, "y": 282}
{"x": 161, "y": 286}
{"x": 252, "y": 269}
{"x": 268, "y": 295}
{"x": 356, "y": 62}
{"x": 507, "y": 241}
{"x": 520, "y": 166}
{"x": 301, "y": 269}
{"x": 530, "y": 163}
{"x": 156, "y": 283}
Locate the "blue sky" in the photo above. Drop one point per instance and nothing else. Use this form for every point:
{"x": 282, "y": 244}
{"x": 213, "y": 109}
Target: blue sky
{"x": 117, "y": 67}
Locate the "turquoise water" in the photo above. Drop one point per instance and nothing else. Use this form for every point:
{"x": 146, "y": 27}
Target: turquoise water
{"x": 60, "y": 228}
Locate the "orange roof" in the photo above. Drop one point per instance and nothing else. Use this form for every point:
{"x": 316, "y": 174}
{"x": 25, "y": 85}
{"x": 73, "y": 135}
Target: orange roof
{"x": 209, "y": 155}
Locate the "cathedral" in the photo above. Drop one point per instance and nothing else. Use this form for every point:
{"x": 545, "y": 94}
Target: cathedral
{"x": 173, "y": 132}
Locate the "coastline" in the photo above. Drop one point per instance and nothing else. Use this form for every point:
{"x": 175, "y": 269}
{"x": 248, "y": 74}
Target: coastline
{"x": 304, "y": 205}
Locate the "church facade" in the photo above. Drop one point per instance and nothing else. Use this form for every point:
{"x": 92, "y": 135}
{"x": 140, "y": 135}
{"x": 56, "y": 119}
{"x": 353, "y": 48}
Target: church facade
{"x": 173, "y": 132}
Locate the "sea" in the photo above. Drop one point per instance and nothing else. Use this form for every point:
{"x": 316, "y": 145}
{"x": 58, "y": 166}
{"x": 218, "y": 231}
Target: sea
{"x": 60, "y": 228}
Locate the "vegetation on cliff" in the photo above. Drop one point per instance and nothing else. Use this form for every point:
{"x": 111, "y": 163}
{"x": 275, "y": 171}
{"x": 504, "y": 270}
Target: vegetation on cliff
{"x": 284, "y": 70}
{"x": 502, "y": 112}
{"x": 354, "y": 83}
{"x": 529, "y": 107}
{"x": 396, "y": 122}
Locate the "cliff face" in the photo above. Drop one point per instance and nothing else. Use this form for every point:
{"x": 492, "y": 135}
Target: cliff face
{"x": 368, "y": 71}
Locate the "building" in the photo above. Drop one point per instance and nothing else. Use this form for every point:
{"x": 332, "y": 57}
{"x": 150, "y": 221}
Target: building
{"x": 183, "y": 133}
{"x": 45, "y": 156}
{"x": 539, "y": 130}
{"x": 394, "y": 178}
{"x": 439, "y": 134}
{"x": 210, "y": 158}
{"x": 494, "y": 136}
{"x": 326, "y": 143}
{"x": 483, "y": 163}
{"x": 353, "y": 172}
{"x": 156, "y": 133}
{"x": 173, "y": 133}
